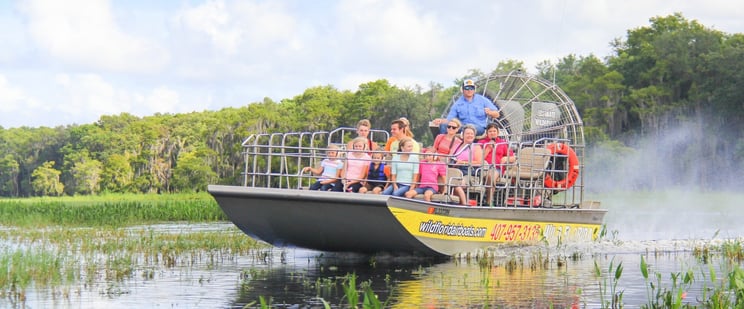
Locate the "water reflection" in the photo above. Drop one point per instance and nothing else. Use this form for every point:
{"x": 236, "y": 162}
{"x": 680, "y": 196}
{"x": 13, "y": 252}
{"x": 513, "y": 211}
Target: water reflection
{"x": 524, "y": 278}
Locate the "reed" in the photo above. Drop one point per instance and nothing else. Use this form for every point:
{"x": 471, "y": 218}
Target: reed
{"x": 38, "y": 267}
{"x": 109, "y": 210}
{"x": 53, "y": 258}
{"x": 730, "y": 249}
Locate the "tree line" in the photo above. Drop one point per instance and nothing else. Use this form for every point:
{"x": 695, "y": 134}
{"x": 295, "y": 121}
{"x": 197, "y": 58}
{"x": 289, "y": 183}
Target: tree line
{"x": 671, "y": 73}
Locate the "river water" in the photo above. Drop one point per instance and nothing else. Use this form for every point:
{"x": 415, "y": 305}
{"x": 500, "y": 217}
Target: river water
{"x": 664, "y": 228}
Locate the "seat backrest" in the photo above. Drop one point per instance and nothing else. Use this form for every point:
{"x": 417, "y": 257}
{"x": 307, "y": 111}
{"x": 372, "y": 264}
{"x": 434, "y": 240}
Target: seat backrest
{"x": 531, "y": 163}
{"x": 454, "y": 177}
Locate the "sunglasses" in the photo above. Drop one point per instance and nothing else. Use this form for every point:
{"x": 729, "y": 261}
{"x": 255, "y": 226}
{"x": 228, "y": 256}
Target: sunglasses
{"x": 469, "y": 88}
{"x": 452, "y": 127}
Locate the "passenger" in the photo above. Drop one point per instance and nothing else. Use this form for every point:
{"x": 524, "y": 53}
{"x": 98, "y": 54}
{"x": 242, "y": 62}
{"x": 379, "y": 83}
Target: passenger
{"x": 443, "y": 143}
{"x": 398, "y": 130}
{"x": 355, "y": 169}
{"x": 329, "y": 171}
{"x": 363, "y": 128}
{"x": 404, "y": 171}
{"x": 496, "y": 150}
{"x": 376, "y": 177}
{"x": 470, "y": 108}
{"x": 407, "y": 129}
{"x": 497, "y": 154}
{"x": 467, "y": 156}
{"x": 432, "y": 172}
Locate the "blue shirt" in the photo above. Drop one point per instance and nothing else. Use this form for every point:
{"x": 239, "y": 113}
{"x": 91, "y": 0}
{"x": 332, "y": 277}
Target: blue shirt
{"x": 404, "y": 170}
{"x": 330, "y": 168}
{"x": 472, "y": 112}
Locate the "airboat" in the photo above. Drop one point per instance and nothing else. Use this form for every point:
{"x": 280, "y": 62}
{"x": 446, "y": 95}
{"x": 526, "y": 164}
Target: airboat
{"x": 539, "y": 198}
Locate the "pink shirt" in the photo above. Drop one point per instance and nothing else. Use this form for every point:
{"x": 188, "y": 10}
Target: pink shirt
{"x": 429, "y": 173}
{"x": 464, "y": 153}
{"x": 356, "y": 166}
{"x": 444, "y": 146}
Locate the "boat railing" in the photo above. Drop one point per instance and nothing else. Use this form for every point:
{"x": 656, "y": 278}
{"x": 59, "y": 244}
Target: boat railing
{"x": 523, "y": 182}
{"x": 276, "y": 160}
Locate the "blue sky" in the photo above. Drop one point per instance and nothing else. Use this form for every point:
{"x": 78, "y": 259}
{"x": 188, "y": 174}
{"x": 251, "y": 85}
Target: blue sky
{"x": 70, "y": 62}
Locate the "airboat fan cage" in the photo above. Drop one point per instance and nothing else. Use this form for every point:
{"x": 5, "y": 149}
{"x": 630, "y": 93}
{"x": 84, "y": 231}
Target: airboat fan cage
{"x": 533, "y": 108}
{"x": 535, "y": 112}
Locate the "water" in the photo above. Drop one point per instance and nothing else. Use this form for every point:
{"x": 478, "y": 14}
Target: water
{"x": 664, "y": 228}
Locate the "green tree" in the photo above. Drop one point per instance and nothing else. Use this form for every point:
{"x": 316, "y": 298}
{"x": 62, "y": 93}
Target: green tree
{"x": 117, "y": 174}
{"x": 316, "y": 109}
{"x": 597, "y": 92}
{"x": 191, "y": 173}
{"x": 660, "y": 64}
{"x": 87, "y": 176}
{"x": 363, "y": 102}
{"x": 46, "y": 180}
{"x": 9, "y": 170}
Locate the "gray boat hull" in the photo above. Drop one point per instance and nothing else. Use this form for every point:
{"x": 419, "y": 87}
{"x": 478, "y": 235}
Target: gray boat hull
{"x": 367, "y": 223}
{"x": 324, "y": 221}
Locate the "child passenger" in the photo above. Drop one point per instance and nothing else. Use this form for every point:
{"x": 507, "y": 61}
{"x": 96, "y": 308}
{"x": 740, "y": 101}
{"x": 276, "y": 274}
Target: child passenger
{"x": 329, "y": 171}
{"x": 404, "y": 171}
{"x": 376, "y": 177}
{"x": 356, "y": 169}
{"x": 432, "y": 172}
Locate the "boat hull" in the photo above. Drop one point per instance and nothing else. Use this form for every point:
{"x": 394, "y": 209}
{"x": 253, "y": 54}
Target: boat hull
{"x": 450, "y": 230}
{"x": 324, "y": 221}
{"x": 367, "y": 223}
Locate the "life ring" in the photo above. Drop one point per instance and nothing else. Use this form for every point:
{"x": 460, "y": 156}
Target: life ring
{"x": 573, "y": 167}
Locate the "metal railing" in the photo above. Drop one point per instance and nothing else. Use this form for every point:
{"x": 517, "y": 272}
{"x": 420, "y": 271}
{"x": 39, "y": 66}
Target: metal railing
{"x": 276, "y": 160}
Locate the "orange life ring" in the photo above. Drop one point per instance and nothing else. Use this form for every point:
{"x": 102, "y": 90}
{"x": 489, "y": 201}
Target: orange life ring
{"x": 573, "y": 167}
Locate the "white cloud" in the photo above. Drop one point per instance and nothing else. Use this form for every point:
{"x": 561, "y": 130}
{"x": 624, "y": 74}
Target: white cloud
{"x": 88, "y": 96}
{"x": 241, "y": 26}
{"x": 84, "y": 58}
{"x": 12, "y": 98}
{"x": 84, "y": 33}
{"x": 17, "y": 108}
{"x": 164, "y": 100}
{"x": 394, "y": 28}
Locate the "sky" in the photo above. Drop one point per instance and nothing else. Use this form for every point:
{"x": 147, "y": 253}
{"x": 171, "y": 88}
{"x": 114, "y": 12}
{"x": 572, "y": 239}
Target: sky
{"x": 73, "y": 61}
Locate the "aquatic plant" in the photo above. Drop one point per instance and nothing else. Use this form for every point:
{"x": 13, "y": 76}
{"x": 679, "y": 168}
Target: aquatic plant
{"x": 616, "y": 298}
{"x": 370, "y": 298}
{"x": 733, "y": 250}
{"x": 350, "y": 292}
{"x": 671, "y": 297}
{"x": 57, "y": 258}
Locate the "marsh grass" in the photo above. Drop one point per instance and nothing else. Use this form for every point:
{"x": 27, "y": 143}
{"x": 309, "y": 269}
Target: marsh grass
{"x": 109, "y": 210}
{"x": 55, "y": 259}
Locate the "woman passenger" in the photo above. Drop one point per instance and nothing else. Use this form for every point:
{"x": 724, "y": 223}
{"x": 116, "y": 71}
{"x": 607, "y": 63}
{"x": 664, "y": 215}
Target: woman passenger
{"x": 467, "y": 156}
{"x": 497, "y": 155}
{"x": 443, "y": 143}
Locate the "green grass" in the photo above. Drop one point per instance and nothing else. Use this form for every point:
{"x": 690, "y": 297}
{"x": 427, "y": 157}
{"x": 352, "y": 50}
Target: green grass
{"x": 109, "y": 210}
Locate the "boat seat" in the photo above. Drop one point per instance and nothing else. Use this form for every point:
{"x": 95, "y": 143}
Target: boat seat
{"x": 523, "y": 179}
{"x": 454, "y": 179}
{"x": 531, "y": 165}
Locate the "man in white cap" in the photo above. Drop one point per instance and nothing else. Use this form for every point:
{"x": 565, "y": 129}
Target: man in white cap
{"x": 470, "y": 108}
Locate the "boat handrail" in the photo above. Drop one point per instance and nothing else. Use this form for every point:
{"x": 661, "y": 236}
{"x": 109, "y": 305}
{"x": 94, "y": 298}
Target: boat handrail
{"x": 276, "y": 160}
